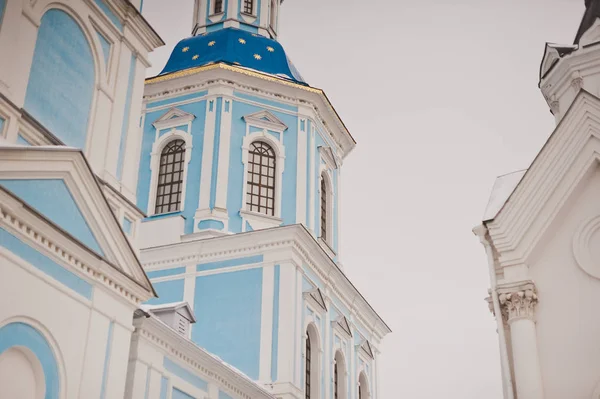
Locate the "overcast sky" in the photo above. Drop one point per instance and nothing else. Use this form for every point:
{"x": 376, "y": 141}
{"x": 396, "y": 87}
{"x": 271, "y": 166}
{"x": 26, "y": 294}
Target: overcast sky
{"x": 441, "y": 97}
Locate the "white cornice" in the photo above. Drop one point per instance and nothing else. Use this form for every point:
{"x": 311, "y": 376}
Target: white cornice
{"x": 70, "y": 165}
{"x": 256, "y": 84}
{"x": 26, "y": 223}
{"x": 293, "y": 237}
{"x": 197, "y": 359}
{"x": 564, "y": 161}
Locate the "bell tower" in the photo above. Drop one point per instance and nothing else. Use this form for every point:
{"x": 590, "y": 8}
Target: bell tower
{"x": 255, "y": 16}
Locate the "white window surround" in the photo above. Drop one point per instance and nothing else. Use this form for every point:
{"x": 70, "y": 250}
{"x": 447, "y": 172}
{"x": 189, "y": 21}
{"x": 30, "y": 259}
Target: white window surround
{"x": 216, "y": 16}
{"x": 261, "y": 220}
{"x": 311, "y": 329}
{"x": 363, "y": 383}
{"x": 340, "y": 360}
{"x": 326, "y": 176}
{"x": 250, "y": 18}
{"x": 157, "y": 149}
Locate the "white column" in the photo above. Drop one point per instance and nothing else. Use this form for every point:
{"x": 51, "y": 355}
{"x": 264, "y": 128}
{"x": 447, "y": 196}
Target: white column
{"x": 518, "y": 307}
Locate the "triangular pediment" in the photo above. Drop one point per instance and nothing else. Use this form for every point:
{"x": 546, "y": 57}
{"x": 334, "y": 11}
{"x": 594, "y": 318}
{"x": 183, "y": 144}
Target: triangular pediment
{"x": 552, "y": 54}
{"x": 567, "y": 158}
{"x": 344, "y": 325}
{"x": 317, "y": 297}
{"x": 366, "y": 348}
{"x": 328, "y": 156}
{"x": 265, "y": 120}
{"x": 173, "y": 117}
{"x": 59, "y": 186}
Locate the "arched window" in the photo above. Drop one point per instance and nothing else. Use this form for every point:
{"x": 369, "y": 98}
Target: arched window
{"x": 249, "y": 6}
{"x": 218, "y": 6}
{"x": 170, "y": 177}
{"x": 308, "y": 367}
{"x": 339, "y": 376}
{"x": 324, "y": 194}
{"x": 260, "y": 190}
{"x": 363, "y": 387}
{"x": 312, "y": 369}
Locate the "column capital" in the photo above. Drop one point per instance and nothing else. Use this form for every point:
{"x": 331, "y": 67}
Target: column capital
{"x": 518, "y": 300}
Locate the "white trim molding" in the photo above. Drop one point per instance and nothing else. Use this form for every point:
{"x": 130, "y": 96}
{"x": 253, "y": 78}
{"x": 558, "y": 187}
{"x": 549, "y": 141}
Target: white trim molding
{"x": 157, "y": 149}
{"x": 257, "y": 220}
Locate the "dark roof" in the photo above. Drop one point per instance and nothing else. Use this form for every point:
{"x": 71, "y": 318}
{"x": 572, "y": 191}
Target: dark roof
{"x": 235, "y": 47}
{"x": 592, "y": 12}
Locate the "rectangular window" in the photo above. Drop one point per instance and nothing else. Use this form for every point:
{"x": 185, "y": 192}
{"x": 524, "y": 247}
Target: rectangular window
{"x": 249, "y": 7}
{"x": 218, "y": 6}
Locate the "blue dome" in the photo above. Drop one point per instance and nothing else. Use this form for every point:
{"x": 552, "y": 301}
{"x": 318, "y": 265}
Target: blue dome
{"x": 235, "y": 47}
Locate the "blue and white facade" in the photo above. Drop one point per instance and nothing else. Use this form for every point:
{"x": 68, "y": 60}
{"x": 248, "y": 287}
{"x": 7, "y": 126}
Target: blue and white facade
{"x": 148, "y": 248}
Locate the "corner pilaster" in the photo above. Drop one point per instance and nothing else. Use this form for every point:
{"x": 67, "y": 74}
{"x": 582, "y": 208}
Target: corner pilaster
{"x": 518, "y": 302}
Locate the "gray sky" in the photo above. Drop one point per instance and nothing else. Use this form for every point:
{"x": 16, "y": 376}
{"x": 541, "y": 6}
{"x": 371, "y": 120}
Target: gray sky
{"x": 441, "y": 99}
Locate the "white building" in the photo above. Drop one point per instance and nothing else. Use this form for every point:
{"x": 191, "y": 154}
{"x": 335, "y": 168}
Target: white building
{"x": 175, "y": 237}
{"x": 541, "y": 233}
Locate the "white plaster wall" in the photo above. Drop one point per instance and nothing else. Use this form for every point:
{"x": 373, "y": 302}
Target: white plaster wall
{"x": 568, "y": 321}
{"x": 78, "y": 327}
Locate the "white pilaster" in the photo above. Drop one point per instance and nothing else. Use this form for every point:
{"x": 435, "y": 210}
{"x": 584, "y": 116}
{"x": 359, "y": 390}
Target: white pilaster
{"x": 288, "y": 325}
{"x": 207, "y": 155}
{"x": 133, "y": 143}
{"x": 518, "y": 304}
{"x": 266, "y": 336}
{"x": 118, "y": 113}
{"x": 301, "y": 171}
{"x": 311, "y": 180}
{"x": 224, "y": 150}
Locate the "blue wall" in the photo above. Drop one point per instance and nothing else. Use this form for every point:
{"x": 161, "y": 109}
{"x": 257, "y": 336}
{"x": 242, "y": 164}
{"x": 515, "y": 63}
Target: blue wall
{"x": 23, "y": 335}
{"x": 52, "y": 198}
{"x": 228, "y": 310}
{"x": 61, "y": 83}
{"x": 167, "y": 292}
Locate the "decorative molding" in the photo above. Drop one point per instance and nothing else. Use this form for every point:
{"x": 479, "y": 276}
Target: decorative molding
{"x": 583, "y": 246}
{"x": 518, "y": 302}
{"x": 265, "y": 120}
{"x": 305, "y": 251}
{"x": 201, "y": 362}
{"x": 68, "y": 257}
{"x": 342, "y": 324}
{"x": 161, "y": 92}
{"x": 316, "y": 296}
{"x": 173, "y": 118}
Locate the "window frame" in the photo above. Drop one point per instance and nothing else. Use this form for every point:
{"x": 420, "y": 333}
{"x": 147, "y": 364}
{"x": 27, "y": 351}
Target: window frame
{"x": 326, "y": 182}
{"x": 155, "y": 156}
{"x": 311, "y": 332}
{"x": 341, "y": 371}
{"x": 214, "y": 7}
{"x": 252, "y": 7}
{"x": 173, "y": 147}
{"x": 260, "y": 219}
{"x": 271, "y": 172}
{"x": 273, "y": 15}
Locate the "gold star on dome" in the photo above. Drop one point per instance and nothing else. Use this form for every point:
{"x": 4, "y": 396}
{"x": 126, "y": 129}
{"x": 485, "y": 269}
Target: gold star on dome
{"x": 242, "y": 41}
{"x": 185, "y": 49}
{"x": 270, "y": 49}
{"x": 212, "y": 43}
{"x": 195, "y": 57}
{"x": 258, "y": 57}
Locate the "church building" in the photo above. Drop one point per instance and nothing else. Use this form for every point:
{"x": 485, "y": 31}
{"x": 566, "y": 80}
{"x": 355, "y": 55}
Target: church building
{"x": 179, "y": 236}
{"x": 541, "y": 234}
